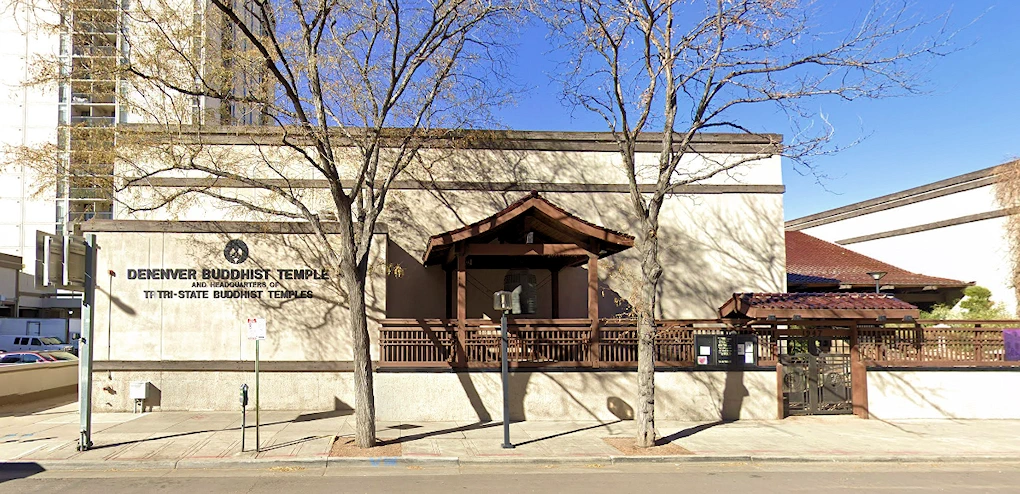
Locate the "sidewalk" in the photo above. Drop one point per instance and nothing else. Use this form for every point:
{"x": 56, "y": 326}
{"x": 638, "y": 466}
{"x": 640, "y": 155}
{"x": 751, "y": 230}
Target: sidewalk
{"x": 47, "y": 436}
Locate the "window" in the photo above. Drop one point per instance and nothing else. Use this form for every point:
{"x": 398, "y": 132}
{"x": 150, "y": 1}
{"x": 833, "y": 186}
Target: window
{"x": 20, "y": 341}
{"x": 35, "y": 341}
{"x": 28, "y": 359}
{"x": 10, "y": 359}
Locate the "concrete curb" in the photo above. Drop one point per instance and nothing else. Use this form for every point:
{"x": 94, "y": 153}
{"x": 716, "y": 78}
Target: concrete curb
{"x": 91, "y": 465}
{"x": 536, "y": 460}
{"x": 402, "y": 461}
{"x": 246, "y": 463}
{"x": 392, "y": 461}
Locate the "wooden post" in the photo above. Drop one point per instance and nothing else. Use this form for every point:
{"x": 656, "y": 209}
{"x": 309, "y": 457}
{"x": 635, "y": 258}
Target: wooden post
{"x": 593, "y": 305}
{"x": 555, "y": 293}
{"x": 461, "y": 307}
{"x": 781, "y": 400}
{"x": 858, "y": 376}
{"x": 450, "y": 291}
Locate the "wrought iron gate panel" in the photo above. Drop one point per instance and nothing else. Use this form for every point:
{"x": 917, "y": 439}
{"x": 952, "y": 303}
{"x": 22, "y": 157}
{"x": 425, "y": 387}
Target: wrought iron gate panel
{"x": 816, "y": 382}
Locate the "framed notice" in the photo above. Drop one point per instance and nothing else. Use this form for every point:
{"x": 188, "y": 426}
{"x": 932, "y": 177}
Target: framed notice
{"x": 256, "y": 328}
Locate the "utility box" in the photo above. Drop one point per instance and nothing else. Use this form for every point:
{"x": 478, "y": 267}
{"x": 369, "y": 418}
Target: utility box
{"x": 139, "y": 390}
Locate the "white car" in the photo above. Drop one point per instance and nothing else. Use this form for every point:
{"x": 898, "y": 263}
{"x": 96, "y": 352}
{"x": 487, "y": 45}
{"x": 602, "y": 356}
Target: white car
{"x": 15, "y": 343}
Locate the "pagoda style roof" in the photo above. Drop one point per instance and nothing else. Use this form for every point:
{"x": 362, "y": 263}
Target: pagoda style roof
{"x": 817, "y": 306}
{"x": 532, "y": 226}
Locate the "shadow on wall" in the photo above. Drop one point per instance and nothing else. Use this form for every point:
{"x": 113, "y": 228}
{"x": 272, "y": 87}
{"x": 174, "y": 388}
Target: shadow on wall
{"x": 421, "y": 293}
{"x": 712, "y": 244}
{"x": 309, "y": 313}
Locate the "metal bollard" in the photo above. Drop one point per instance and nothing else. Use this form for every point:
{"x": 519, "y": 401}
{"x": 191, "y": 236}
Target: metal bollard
{"x": 244, "y": 404}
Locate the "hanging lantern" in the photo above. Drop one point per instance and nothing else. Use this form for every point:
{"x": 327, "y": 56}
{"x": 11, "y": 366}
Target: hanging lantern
{"x": 524, "y": 286}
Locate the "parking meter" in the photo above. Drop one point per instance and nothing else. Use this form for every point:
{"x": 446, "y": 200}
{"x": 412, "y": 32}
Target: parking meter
{"x": 244, "y": 403}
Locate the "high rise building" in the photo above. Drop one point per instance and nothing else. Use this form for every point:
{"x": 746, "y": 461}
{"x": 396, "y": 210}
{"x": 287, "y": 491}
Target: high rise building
{"x": 63, "y": 92}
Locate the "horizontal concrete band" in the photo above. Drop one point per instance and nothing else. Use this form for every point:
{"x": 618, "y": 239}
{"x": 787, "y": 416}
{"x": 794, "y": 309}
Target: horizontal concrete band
{"x": 930, "y": 226}
{"x": 962, "y": 183}
{"x": 348, "y": 366}
{"x": 267, "y": 227}
{"x": 510, "y": 140}
{"x": 463, "y": 186}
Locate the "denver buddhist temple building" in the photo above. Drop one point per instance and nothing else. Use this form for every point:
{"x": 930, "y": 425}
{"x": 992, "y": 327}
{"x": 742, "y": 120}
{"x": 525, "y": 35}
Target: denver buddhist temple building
{"x": 543, "y": 211}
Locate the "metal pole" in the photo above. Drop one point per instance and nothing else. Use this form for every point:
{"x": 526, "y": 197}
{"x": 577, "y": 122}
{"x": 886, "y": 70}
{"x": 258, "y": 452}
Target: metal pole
{"x": 257, "y": 443}
{"x": 876, "y": 287}
{"x": 504, "y": 342}
{"x": 88, "y": 314}
{"x": 109, "y": 328}
{"x": 244, "y": 405}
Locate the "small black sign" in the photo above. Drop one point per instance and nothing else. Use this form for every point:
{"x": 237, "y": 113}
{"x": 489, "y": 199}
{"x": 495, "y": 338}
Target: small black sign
{"x": 729, "y": 350}
{"x": 236, "y": 251}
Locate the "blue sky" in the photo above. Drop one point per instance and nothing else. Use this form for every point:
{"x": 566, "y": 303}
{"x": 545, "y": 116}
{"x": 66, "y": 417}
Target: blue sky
{"x": 967, "y": 119}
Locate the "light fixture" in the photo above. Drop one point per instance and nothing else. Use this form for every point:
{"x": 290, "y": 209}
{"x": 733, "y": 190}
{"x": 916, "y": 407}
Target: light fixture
{"x": 523, "y": 284}
{"x": 877, "y": 275}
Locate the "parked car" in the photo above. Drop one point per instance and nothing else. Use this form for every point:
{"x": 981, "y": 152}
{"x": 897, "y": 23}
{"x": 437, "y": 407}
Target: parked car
{"x": 15, "y": 343}
{"x": 60, "y": 356}
{"x": 25, "y": 358}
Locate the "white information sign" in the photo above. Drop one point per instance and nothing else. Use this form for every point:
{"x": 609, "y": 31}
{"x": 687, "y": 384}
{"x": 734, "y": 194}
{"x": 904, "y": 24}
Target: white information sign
{"x": 256, "y": 328}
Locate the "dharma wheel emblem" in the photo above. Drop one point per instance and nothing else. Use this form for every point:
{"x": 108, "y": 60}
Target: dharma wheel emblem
{"x": 236, "y": 251}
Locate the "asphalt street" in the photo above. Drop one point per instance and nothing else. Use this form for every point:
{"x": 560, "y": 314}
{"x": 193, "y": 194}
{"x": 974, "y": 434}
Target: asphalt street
{"x": 713, "y": 478}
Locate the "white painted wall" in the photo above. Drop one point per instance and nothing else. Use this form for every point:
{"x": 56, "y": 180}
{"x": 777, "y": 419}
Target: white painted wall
{"x": 956, "y": 394}
{"x": 976, "y": 251}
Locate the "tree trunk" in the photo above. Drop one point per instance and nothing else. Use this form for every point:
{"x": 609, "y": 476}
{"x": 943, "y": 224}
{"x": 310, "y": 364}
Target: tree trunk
{"x": 651, "y": 271}
{"x": 364, "y": 398}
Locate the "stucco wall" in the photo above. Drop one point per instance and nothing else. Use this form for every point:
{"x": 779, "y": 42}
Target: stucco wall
{"x": 711, "y": 246}
{"x": 955, "y": 394}
{"x": 712, "y": 243}
{"x": 977, "y": 251}
{"x": 142, "y": 326}
{"x": 20, "y": 383}
{"x": 448, "y": 396}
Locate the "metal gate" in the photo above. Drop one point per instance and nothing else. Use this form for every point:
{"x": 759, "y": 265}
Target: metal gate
{"x": 816, "y": 375}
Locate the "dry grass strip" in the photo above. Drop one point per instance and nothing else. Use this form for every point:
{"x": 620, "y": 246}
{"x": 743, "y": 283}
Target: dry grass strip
{"x": 627, "y": 446}
{"x": 344, "y": 446}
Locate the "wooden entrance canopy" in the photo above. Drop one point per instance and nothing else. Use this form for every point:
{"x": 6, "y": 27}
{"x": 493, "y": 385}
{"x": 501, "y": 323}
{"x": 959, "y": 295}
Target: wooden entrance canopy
{"x": 530, "y": 233}
{"x": 818, "y": 306}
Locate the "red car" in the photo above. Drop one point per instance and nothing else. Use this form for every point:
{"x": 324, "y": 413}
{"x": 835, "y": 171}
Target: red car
{"x": 25, "y": 358}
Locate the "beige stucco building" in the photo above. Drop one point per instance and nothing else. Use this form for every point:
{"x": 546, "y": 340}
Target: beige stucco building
{"x": 178, "y": 324}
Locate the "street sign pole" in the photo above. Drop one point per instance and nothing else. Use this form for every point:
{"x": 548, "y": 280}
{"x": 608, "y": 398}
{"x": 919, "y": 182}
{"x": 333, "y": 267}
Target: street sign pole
{"x": 506, "y": 384}
{"x": 258, "y": 445}
{"x": 257, "y": 332}
{"x": 85, "y": 346}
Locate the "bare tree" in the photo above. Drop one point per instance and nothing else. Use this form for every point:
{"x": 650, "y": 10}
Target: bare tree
{"x": 354, "y": 92}
{"x": 1007, "y": 192}
{"x": 681, "y": 67}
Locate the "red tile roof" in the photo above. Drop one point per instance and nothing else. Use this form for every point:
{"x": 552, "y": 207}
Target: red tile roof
{"x": 812, "y": 261}
{"x": 817, "y": 305}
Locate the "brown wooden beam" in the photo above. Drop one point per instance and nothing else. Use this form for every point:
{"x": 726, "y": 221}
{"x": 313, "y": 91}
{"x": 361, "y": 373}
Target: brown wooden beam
{"x": 526, "y": 250}
{"x": 461, "y": 306}
{"x": 555, "y": 293}
{"x": 858, "y": 377}
{"x": 593, "y": 304}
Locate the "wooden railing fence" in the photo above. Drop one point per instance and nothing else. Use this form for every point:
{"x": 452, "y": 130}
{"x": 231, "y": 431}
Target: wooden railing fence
{"x": 551, "y": 342}
{"x": 936, "y": 343}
